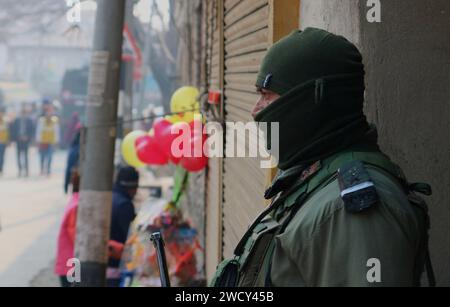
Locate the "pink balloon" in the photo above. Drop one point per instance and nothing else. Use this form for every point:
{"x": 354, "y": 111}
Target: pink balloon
{"x": 149, "y": 152}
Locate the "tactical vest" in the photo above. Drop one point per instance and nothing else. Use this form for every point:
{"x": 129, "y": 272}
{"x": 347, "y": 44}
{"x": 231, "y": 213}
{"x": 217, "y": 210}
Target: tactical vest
{"x": 4, "y": 132}
{"x": 252, "y": 261}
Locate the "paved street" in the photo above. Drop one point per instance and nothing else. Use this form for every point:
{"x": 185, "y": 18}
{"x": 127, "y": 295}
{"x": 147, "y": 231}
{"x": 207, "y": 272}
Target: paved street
{"x": 30, "y": 213}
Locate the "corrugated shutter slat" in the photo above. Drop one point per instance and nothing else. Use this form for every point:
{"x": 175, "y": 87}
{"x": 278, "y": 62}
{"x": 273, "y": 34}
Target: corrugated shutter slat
{"x": 246, "y": 42}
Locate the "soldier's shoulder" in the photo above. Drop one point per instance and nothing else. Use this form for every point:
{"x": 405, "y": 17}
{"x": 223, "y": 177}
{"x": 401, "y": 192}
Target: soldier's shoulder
{"x": 327, "y": 203}
{"x": 391, "y": 193}
{"x": 318, "y": 208}
{"x": 317, "y": 211}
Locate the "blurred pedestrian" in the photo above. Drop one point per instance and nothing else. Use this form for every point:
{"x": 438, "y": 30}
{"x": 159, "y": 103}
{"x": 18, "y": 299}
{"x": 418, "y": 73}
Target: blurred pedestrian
{"x": 4, "y": 137}
{"x": 47, "y": 137}
{"x": 71, "y": 129}
{"x": 73, "y": 158}
{"x": 67, "y": 232}
{"x": 123, "y": 214}
{"x": 45, "y": 107}
{"x": 22, "y": 135}
{"x": 35, "y": 114}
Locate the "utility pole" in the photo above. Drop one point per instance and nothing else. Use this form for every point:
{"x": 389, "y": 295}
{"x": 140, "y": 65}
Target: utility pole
{"x": 98, "y": 145}
{"x": 127, "y": 111}
{"x": 128, "y": 75}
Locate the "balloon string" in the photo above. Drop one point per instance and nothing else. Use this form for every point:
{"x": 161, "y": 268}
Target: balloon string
{"x": 141, "y": 119}
{"x": 180, "y": 186}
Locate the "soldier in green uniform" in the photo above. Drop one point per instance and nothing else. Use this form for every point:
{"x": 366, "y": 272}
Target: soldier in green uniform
{"x": 342, "y": 213}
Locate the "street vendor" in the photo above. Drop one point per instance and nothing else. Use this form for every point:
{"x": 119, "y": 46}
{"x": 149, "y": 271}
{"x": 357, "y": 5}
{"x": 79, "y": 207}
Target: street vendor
{"x": 123, "y": 214}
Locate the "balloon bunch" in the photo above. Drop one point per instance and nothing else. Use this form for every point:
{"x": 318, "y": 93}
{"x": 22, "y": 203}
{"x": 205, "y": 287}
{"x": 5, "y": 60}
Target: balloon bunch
{"x": 178, "y": 139}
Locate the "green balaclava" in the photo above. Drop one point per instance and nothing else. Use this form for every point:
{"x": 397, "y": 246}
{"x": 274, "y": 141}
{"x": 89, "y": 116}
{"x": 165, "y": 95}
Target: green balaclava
{"x": 320, "y": 78}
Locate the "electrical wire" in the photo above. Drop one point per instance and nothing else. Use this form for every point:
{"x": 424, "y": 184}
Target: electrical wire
{"x": 140, "y": 119}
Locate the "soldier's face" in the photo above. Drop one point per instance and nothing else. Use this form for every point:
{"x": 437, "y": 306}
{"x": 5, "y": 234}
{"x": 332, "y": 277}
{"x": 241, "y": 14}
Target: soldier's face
{"x": 266, "y": 98}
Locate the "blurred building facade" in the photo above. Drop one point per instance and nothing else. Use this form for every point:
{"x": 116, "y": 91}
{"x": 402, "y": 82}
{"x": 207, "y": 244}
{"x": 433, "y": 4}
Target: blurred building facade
{"x": 41, "y": 57}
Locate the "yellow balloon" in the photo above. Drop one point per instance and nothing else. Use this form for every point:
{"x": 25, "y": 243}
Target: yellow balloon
{"x": 174, "y": 119}
{"x": 183, "y": 117}
{"x": 129, "y": 149}
{"x": 185, "y": 100}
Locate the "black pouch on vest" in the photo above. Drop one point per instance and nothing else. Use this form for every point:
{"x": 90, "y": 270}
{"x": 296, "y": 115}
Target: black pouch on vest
{"x": 357, "y": 189}
{"x": 228, "y": 273}
{"x": 256, "y": 250}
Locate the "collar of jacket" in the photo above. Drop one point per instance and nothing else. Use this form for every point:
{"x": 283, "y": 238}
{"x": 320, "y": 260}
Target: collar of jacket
{"x": 285, "y": 179}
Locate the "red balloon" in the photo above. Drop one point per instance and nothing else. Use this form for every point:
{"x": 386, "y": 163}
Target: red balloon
{"x": 174, "y": 160}
{"x": 194, "y": 164}
{"x": 197, "y": 128}
{"x": 149, "y": 152}
{"x": 161, "y": 127}
{"x": 198, "y": 159}
{"x": 165, "y": 138}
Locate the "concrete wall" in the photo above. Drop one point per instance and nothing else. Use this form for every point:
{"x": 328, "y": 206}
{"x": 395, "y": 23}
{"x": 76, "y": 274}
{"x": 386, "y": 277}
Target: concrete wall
{"x": 407, "y": 59}
{"x": 337, "y": 16}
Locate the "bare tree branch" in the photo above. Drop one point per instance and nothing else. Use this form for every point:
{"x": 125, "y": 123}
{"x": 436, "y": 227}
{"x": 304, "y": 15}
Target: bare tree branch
{"x": 158, "y": 59}
{"x": 24, "y": 16}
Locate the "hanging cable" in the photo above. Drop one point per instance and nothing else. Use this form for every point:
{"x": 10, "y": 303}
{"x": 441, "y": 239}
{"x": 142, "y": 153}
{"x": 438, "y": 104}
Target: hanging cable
{"x": 140, "y": 119}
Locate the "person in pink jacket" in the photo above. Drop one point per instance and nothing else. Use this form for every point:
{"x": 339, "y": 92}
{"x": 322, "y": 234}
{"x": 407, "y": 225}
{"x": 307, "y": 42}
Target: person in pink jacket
{"x": 66, "y": 238}
{"x": 67, "y": 232}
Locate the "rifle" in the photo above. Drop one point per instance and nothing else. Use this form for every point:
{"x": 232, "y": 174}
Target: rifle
{"x": 158, "y": 242}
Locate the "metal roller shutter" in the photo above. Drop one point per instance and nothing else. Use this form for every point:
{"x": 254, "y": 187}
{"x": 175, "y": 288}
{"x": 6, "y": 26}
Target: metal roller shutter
{"x": 246, "y": 34}
{"x": 214, "y": 71}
